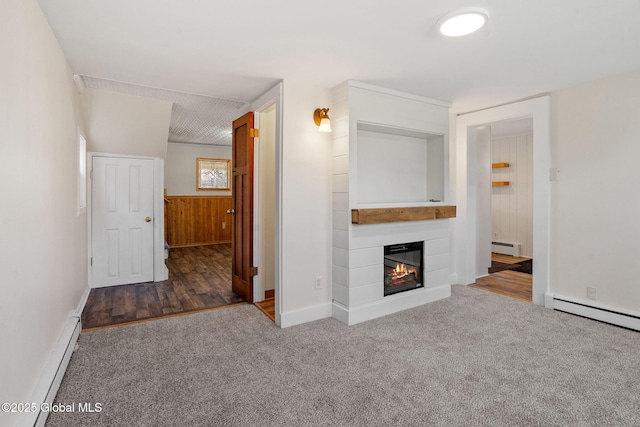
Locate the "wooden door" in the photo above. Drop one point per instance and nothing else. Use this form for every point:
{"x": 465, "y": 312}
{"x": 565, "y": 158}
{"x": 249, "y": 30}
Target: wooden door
{"x": 122, "y": 221}
{"x": 242, "y": 207}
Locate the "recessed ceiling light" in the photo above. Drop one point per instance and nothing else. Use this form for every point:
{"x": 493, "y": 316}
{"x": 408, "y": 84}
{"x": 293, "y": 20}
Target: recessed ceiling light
{"x": 463, "y": 21}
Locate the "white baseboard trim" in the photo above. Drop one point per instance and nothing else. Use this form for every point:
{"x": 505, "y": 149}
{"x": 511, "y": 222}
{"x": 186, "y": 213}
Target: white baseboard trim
{"x": 161, "y": 273}
{"x": 593, "y": 310}
{"x": 83, "y": 302}
{"x": 305, "y": 315}
{"x": 389, "y": 305}
{"x": 548, "y": 300}
{"x": 51, "y": 377}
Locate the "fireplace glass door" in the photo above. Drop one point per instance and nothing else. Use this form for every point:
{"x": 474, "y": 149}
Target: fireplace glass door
{"x": 403, "y": 267}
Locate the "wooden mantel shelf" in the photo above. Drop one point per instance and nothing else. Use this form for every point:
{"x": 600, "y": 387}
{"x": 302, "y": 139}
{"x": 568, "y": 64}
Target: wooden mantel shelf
{"x": 382, "y": 215}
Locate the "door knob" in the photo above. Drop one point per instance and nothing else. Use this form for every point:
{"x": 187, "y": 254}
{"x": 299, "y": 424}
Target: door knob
{"x": 148, "y": 219}
{"x": 231, "y": 211}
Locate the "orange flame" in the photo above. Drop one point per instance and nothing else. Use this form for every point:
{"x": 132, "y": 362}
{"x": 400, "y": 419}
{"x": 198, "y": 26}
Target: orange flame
{"x": 401, "y": 271}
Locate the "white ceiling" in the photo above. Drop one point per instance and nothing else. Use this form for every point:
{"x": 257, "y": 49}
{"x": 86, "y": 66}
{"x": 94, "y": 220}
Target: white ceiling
{"x": 195, "y": 119}
{"x": 237, "y": 50}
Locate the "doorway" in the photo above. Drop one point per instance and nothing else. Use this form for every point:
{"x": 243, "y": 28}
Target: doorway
{"x": 268, "y": 110}
{"x": 267, "y": 226}
{"x": 469, "y": 221}
{"x": 504, "y": 206}
{"x": 265, "y": 210}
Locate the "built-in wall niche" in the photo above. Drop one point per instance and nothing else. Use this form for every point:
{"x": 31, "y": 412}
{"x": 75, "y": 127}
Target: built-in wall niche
{"x": 397, "y": 165}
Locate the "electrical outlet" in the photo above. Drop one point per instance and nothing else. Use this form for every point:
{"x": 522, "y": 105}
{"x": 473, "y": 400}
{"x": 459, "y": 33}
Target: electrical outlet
{"x": 591, "y": 292}
{"x": 224, "y": 225}
{"x": 318, "y": 282}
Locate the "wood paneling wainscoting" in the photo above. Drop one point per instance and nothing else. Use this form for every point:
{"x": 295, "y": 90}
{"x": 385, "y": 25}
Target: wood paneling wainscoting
{"x": 512, "y": 205}
{"x": 197, "y": 220}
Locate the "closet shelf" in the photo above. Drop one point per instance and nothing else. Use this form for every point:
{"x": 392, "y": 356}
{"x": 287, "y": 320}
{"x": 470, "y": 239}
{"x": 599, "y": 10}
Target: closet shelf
{"x": 500, "y": 183}
{"x": 500, "y": 165}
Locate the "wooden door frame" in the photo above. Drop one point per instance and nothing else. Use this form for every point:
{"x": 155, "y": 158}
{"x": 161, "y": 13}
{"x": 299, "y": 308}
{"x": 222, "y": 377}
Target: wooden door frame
{"x": 160, "y": 271}
{"x": 465, "y": 224}
{"x": 271, "y": 97}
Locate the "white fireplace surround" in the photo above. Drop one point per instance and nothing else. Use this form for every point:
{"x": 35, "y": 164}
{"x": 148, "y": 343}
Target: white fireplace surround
{"x": 358, "y": 250}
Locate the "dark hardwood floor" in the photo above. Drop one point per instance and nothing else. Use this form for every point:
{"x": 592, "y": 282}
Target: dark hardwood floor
{"x": 199, "y": 279}
{"x": 514, "y": 284}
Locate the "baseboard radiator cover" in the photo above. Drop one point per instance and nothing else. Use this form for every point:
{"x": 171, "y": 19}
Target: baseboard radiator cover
{"x": 51, "y": 377}
{"x": 607, "y": 314}
{"x": 505, "y": 248}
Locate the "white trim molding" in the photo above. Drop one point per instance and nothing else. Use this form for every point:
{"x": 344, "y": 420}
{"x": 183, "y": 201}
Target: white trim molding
{"x": 614, "y": 315}
{"x": 393, "y": 92}
{"x": 304, "y": 315}
{"x": 392, "y": 304}
{"x": 82, "y": 303}
{"x": 275, "y": 95}
{"x": 465, "y": 225}
{"x": 160, "y": 270}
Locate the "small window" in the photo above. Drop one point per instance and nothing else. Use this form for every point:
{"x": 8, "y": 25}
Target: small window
{"x": 213, "y": 174}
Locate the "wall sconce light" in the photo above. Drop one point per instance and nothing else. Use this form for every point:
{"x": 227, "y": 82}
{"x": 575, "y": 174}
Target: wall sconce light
{"x": 322, "y": 120}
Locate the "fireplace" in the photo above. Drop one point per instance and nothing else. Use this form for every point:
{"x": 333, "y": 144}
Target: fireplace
{"x": 403, "y": 267}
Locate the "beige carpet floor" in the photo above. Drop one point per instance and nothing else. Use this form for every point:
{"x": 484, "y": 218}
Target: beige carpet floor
{"x": 474, "y": 359}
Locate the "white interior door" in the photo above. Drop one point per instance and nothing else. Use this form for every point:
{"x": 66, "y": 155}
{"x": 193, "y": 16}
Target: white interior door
{"x": 122, "y": 221}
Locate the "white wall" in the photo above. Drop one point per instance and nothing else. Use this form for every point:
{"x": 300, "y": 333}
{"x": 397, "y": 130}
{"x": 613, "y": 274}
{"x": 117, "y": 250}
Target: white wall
{"x": 43, "y": 254}
{"x": 180, "y": 168}
{"x": 595, "y": 231}
{"x": 391, "y": 168}
{"x": 436, "y": 168}
{"x": 480, "y": 147}
{"x": 267, "y": 196}
{"x": 512, "y": 205}
{"x": 119, "y": 123}
{"x": 306, "y": 202}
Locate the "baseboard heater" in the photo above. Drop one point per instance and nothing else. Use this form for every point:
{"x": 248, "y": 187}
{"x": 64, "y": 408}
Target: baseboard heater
{"x": 504, "y": 248}
{"x": 49, "y": 382}
{"x": 605, "y": 314}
